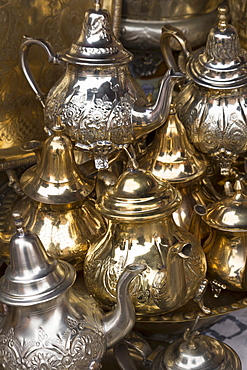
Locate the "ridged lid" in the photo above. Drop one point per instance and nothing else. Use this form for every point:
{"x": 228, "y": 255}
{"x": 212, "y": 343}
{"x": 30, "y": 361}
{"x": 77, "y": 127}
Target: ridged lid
{"x": 229, "y": 213}
{"x": 97, "y": 43}
{"x": 56, "y": 179}
{"x": 32, "y": 276}
{"x": 171, "y": 156}
{"x": 138, "y": 195}
{"x": 222, "y": 64}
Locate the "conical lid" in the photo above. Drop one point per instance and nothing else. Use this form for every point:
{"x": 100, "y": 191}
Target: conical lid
{"x": 32, "y": 276}
{"x": 201, "y": 353}
{"x": 171, "y": 156}
{"x": 138, "y": 195}
{"x": 222, "y": 64}
{"x": 97, "y": 43}
{"x": 56, "y": 179}
{"x": 230, "y": 212}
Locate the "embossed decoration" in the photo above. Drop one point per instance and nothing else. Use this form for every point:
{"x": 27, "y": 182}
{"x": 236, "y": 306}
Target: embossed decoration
{"x": 85, "y": 344}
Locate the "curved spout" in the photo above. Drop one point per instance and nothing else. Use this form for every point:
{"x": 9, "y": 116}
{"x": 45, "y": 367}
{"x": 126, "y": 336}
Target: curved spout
{"x": 119, "y": 322}
{"x": 169, "y": 288}
{"x": 147, "y": 119}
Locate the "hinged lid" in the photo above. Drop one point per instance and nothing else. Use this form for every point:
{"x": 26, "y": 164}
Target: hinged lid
{"x": 139, "y": 195}
{"x": 222, "y": 64}
{"x": 97, "y": 43}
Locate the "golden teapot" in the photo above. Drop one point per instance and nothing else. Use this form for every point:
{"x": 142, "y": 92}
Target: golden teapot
{"x": 56, "y": 205}
{"x": 141, "y": 229}
{"x": 226, "y": 247}
{"x": 100, "y": 103}
{"x": 212, "y": 105}
{"x": 47, "y": 322}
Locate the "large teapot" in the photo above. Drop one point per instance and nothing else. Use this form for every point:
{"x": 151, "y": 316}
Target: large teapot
{"x": 212, "y": 105}
{"x": 100, "y": 103}
{"x": 47, "y": 323}
{"x": 141, "y": 229}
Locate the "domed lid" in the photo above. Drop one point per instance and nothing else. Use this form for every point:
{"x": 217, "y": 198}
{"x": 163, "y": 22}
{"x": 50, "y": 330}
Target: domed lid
{"x": 97, "y": 43}
{"x": 229, "y": 213}
{"x": 138, "y": 195}
{"x": 32, "y": 276}
{"x": 56, "y": 179}
{"x": 222, "y": 64}
{"x": 171, "y": 156}
{"x": 197, "y": 352}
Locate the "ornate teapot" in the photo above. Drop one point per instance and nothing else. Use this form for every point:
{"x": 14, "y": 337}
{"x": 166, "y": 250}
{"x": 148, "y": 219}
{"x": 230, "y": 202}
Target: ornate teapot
{"x": 212, "y": 105}
{"x": 226, "y": 247}
{"x": 141, "y": 229}
{"x": 47, "y": 324}
{"x": 100, "y": 103}
{"x": 56, "y": 205}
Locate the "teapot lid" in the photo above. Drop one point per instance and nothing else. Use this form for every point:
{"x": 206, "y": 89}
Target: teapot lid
{"x": 198, "y": 353}
{"x": 171, "y": 156}
{"x": 56, "y": 179}
{"x": 138, "y": 195}
{"x": 230, "y": 212}
{"x": 32, "y": 277}
{"x": 222, "y": 64}
{"x": 97, "y": 43}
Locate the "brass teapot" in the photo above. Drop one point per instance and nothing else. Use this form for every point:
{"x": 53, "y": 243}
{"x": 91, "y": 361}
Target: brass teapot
{"x": 55, "y": 204}
{"x": 47, "y": 323}
{"x": 100, "y": 103}
{"x": 141, "y": 229}
{"x": 212, "y": 105}
{"x": 226, "y": 247}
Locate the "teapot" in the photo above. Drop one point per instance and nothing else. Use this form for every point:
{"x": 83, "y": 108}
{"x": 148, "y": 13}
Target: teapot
{"x": 98, "y": 100}
{"x": 46, "y": 323}
{"x": 56, "y": 204}
{"x": 226, "y": 248}
{"x": 141, "y": 229}
{"x": 212, "y": 104}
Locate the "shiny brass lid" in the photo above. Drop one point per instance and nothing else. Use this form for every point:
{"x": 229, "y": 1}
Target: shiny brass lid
{"x": 138, "y": 195}
{"x": 97, "y": 43}
{"x": 56, "y": 179}
{"x": 229, "y": 213}
{"x": 200, "y": 353}
{"x": 32, "y": 276}
{"x": 222, "y": 64}
{"x": 171, "y": 156}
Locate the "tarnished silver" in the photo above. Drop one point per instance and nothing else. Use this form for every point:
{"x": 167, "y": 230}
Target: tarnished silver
{"x": 212, "y": 105}
{"x": 97, "y": 99}
{"x": 46, "y": 323}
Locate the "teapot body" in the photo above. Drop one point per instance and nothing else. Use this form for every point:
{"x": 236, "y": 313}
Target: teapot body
{"x": 175, "y": 264}
{"x": 65, "y": 333}
{"x": 226, "y": 253}
{"x": 215, "y": 121}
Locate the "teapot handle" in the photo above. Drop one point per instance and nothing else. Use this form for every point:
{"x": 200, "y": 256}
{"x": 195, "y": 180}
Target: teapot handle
{"x": 52, "y": 58}
{"x": 168, "y": 32}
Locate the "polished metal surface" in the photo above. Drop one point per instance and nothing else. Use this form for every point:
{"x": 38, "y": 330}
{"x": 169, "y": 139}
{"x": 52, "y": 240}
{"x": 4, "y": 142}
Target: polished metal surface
{"x": 197, "y": 352}
{"x": 212, "y": 105}
{"x": 46, "y": 323}
{"x": 141, "y": 230}
{"x": 21, "y": 116}
{"x": 100, "y": 103}
{"x": 226, "y": 248}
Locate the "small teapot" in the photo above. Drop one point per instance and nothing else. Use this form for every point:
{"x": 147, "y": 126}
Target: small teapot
{"x": 226, "y": 247}
{"x": 212, "y": 105}
{"x": 141, "y": 229}
{"x": 100, "y": 103}
{"x": 56, "y": 205}
{"x": 47, "y": 324}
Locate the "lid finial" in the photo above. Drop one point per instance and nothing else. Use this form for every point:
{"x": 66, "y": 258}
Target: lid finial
{"x": 222, "y": 17}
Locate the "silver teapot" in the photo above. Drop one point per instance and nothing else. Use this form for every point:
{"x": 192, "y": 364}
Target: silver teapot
{"x": 47, "y": 324}
{"x": 100, "y": 103}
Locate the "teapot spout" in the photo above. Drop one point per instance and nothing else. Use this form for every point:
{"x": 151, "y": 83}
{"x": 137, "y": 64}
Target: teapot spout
{"x": 119, "y": 322}
{"x": 147, "y": 119}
